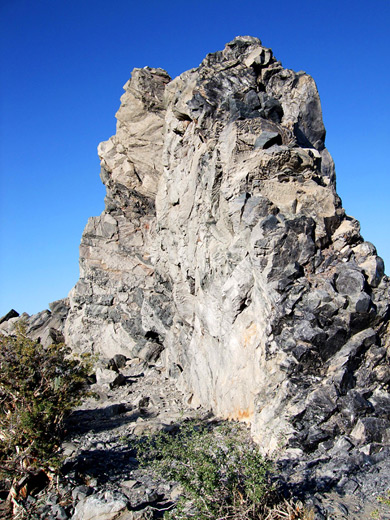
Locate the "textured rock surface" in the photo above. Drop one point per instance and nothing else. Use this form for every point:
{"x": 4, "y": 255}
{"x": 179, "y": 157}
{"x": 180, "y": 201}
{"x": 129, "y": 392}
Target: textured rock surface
{"x": 224, "y": 240}
{"x": 224, "y": 249}
{"x": 47, "y": 326}
{"x": 118, "y": 305}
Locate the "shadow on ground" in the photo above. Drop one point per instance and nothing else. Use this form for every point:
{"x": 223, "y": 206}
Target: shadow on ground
{"x": 104, "y": 419}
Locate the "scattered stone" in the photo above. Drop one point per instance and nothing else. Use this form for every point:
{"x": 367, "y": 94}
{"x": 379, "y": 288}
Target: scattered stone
{"x": 68, "y": 448}
{"x": 129, "y": 484}
{"x": 349, "y": 282}
{"x": 102, "y": 508}
{"x": 120, "y": 360}
{"x": 81, "y": 492}
{"x": 371, "y": 429}
{"x": 59, "y": 513}
{"x": 108, "y": 377}
{"x": 142, "y": 402}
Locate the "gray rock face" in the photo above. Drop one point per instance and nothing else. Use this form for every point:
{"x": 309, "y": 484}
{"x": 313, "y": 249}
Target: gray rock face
{"x": 224, "y": 245}
{"x": 119, "y": 306}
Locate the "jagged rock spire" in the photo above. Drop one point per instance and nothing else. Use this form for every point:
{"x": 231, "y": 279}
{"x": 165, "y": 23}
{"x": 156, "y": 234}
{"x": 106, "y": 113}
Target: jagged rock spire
{"x": 225, "y": 245}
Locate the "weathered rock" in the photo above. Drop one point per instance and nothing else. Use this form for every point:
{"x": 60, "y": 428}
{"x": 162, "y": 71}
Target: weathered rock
{"x": 267, "y": 139}
{"x": 119, "y": 361}
{"x": 100, "y": 508}
{"x": 224, "y": 249}
{"x": 11, "y": 314}
{"x": 108, "y": 377}
{"x": 118, "y": 301}
{"x": 47, "y": 326}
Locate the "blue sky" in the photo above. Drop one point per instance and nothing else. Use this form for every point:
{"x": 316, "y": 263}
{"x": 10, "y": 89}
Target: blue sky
{"x": 62, "y": 68}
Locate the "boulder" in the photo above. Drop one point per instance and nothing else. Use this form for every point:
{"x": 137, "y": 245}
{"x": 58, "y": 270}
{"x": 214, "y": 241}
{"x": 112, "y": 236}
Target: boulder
{"x": 100, "y": 508}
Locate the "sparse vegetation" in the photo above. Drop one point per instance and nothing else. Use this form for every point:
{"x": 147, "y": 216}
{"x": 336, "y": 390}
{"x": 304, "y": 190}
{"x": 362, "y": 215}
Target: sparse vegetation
{"x": 38, "y": 389}
{"x": 385, "y": 501}
{"x": 221, "y": 471}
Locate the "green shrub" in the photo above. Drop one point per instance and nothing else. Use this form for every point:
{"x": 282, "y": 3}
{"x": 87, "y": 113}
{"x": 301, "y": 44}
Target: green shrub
{"x": 38, "y": 389}
{"x": 220, "y": 469}
{"x": 385, "y": 501}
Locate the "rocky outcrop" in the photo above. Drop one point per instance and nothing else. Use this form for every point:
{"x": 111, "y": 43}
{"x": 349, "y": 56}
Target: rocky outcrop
{"x": 46, "y": 326}
{"x": 119, "y": 306}
{"x": 224, "y": 247}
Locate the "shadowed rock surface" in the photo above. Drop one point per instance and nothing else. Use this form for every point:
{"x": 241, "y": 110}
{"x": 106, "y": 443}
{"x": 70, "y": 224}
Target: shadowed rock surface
{"x": 224, "y": 249}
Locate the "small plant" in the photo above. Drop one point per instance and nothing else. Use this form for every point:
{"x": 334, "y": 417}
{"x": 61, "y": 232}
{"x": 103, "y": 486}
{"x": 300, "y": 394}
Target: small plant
{"x": 220, "y": 469}
{"x": 38, "y": 388}
{"x": 384, "y": 500}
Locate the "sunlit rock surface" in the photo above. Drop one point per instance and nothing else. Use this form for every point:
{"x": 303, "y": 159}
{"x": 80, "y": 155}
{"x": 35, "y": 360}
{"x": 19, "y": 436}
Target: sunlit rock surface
{"x": 225, "y": 247}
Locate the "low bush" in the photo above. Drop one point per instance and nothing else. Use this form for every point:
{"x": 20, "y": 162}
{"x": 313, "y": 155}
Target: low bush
{"x": 38, "y": 388}
{"x": 221, "y": 470}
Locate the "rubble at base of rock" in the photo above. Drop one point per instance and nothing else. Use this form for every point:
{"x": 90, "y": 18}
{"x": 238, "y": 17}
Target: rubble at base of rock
{"x": 101, "y": 476}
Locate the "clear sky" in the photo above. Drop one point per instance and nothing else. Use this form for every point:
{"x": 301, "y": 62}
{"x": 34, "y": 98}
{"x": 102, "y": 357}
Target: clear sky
{"x": 62, "y": 67}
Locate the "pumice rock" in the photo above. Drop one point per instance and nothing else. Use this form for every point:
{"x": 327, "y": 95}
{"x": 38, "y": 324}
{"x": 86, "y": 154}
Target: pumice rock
{"x": 225, "y": 249}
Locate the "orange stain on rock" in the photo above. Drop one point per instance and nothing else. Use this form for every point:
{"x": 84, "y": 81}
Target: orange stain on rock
{"x": 249, "y": 334}
{"x": 244, "y": 415}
